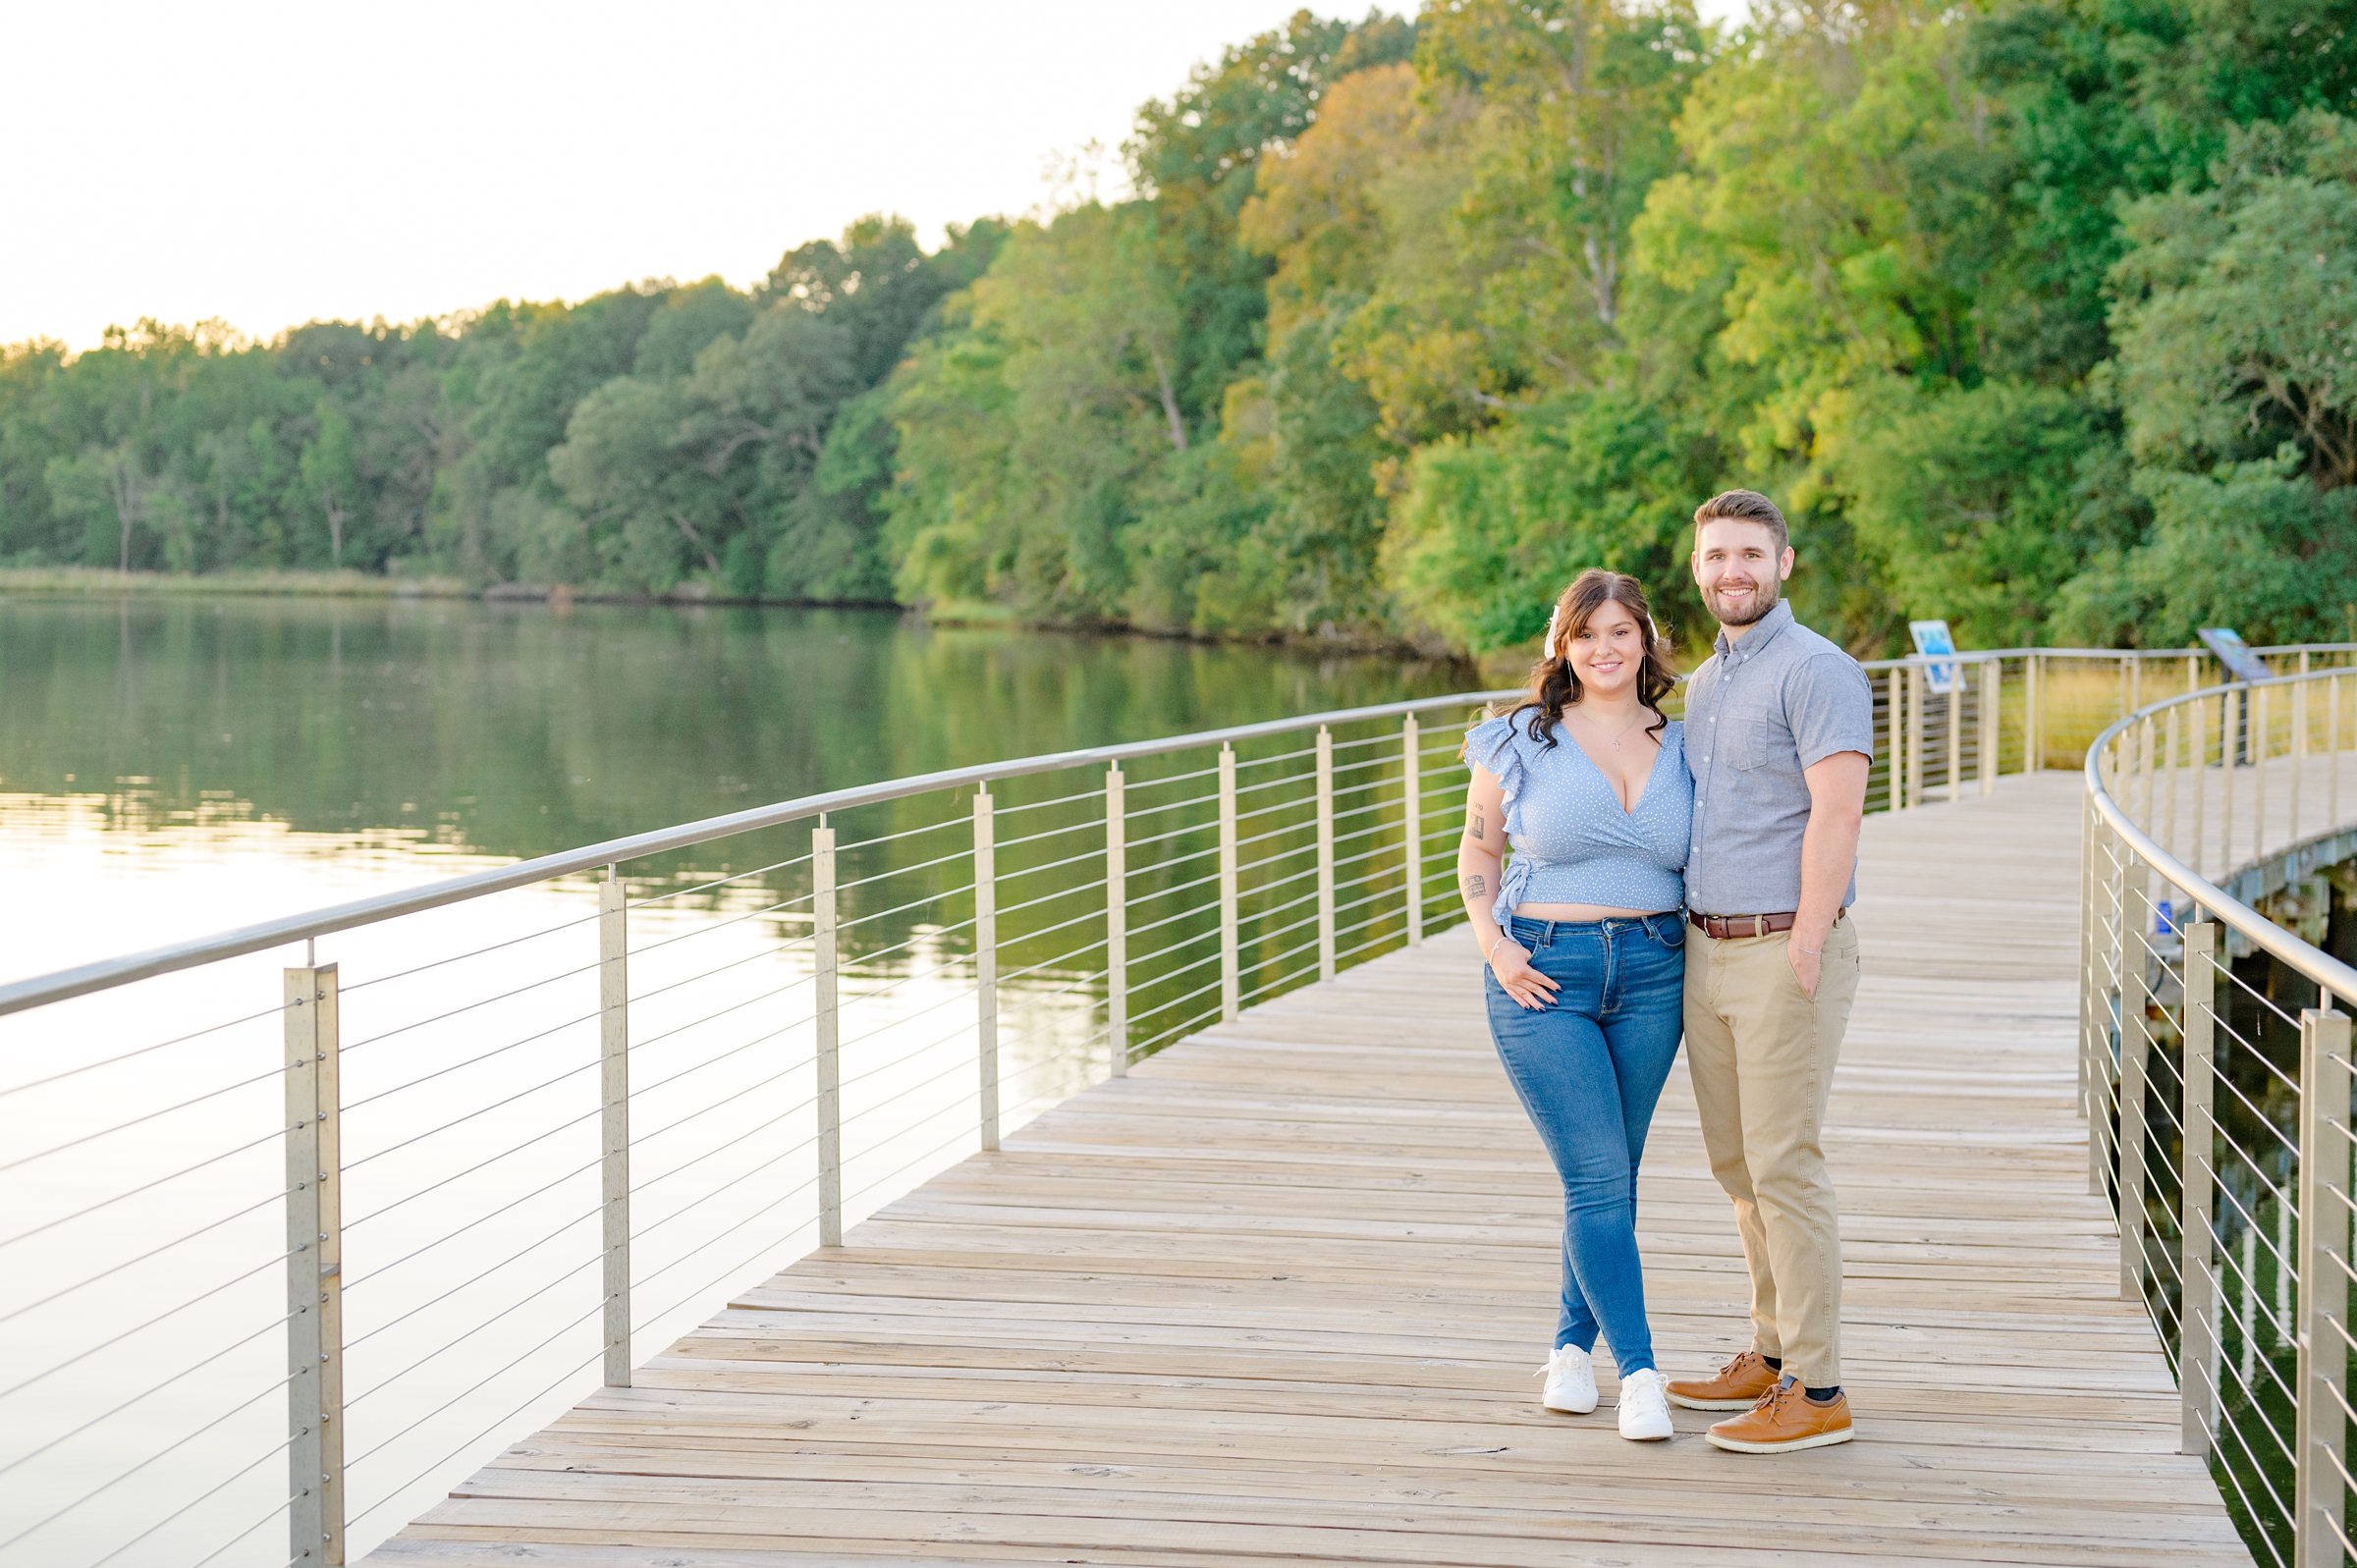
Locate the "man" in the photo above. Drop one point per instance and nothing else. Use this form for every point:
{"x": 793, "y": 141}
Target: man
{"x": 1780, "y": 733}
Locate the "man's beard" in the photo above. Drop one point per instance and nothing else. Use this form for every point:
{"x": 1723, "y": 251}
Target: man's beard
{"x": 1764, "y": 597}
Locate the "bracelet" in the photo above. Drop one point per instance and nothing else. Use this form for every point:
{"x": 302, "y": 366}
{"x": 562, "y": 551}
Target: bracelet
{"x": 1814, "y": 952}
{"x": 1503, "y": 937}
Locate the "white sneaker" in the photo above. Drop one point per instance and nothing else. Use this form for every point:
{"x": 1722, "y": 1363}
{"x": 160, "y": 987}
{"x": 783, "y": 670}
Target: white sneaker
{"x": 1644, "y": 1406}
{"x": 1571, "y": 1374}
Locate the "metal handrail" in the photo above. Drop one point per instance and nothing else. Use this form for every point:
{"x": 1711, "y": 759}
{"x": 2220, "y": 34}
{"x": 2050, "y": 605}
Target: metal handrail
{"x": 2246, "y": 922}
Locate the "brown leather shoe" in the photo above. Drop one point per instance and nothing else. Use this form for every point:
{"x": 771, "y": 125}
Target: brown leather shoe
{"x": 1737, "y": 1386}
{"x": 1785, "y": 1417}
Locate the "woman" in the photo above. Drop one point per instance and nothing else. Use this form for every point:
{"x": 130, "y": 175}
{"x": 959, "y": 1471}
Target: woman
{"x": 1585, "y": 938}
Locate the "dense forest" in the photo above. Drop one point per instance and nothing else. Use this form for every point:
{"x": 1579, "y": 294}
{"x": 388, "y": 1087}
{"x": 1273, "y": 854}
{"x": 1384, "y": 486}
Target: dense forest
{"x": 2038, "y": 314}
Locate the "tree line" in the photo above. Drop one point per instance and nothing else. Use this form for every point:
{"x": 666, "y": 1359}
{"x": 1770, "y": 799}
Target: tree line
{"x": 2037, "y": 314}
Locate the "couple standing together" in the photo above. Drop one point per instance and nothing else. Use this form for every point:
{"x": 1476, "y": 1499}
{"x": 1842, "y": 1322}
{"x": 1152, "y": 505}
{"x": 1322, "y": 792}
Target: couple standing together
{"x": 1672, "y": 878}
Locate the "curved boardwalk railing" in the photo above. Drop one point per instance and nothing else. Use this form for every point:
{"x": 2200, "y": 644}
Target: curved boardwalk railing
{"x": 301, "y": 1219}
{"x": 2215, "y": 1066}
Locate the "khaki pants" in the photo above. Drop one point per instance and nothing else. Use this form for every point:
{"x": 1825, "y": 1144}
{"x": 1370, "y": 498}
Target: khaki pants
{"x": 1762, "y": 1057}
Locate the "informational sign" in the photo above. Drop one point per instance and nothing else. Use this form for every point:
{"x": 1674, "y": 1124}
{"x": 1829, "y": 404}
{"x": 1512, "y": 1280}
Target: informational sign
{"x": 2236, "y": 654}
{"x": 1933, "y": 640}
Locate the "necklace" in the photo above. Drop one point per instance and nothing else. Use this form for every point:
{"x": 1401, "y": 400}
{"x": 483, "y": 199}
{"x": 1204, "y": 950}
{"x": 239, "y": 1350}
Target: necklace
{"x": 1623, "y": 735}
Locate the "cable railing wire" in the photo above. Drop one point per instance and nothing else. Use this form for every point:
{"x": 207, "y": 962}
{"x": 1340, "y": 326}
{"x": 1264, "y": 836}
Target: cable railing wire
{"x": 275, "y": 1510}
{"x": 688, "y": 1207}
{"x": 112, "y": 1270}
{"x": 484, "y": 1218}
{"x": 279, "y": 1012}
{"x": 145, "y": 1392}
{"x": 500, "y": 1371}
{"x": 83, "y": 1213}
{"x": 575, "y": 1069}
{"x": 111, "y": 1482}
{"x": 353, "y": 1401}
{"x": 279, "y": 1071}
{"x": 560, "y": 1380}
{"x": 788, "y": 864}
{"x": 203, "y": 1497}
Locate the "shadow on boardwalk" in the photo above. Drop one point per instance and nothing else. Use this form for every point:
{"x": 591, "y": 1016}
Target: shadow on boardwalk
{"x": 1279, "y": 1295}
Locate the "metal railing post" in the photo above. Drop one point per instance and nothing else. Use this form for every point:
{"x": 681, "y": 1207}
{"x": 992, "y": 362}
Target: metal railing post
{"x": 1916, "y": 705}
{"x": 2130, "y": 668}
{"x": 2171, "y": 736}
{"x": 614, "y": 1118}
{"x": 1894, "y": 716}
{"x": 2115, "y": 1014}
{"x": 1992, "y": 683}
{"x": 2033, "y": 729}
{"x": 2134, "y": 1047}
{"x": 829, "y": 1024}
{"x": 1230, "y": 970}
{"x": 986, "y": 968}
{"x": 2332, "y": 750}
{"x": 2142, "y": 758}
{"x": 1117, "y": 921}
{"x": 2258, "y": 774}
{"x": 314, "y": 1267}
{"x": 1955, "y": 733}
{"x": 2090, "y": 857}
{"x": 1325, "y": 808}
{"x": 1412, "y": 796}
{"x": 2198, "y": 1345}
{"x": 2197, "y": 716}
{"x": 2299, "y": 747}
{"x": 2229, "y": 749}
{"x": 2320, "y": 1423}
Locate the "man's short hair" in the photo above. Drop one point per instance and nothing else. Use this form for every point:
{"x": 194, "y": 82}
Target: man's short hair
{"x": 1744, "y": 506}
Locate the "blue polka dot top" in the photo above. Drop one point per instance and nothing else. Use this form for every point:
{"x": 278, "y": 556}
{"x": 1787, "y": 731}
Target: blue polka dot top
{"x": 1571, "y": 841}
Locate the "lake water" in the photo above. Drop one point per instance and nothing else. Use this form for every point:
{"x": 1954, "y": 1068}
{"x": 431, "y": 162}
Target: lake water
{"x": 176, "y": 766}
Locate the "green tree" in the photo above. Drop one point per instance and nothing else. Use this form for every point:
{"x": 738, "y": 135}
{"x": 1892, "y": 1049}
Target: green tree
{"x": 2235, "y": 307}
{"x": 1491, "y": 527}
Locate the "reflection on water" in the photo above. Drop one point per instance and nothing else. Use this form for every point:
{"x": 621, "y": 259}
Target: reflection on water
{"x": 521, "y": 730}
{"x": 174, "y": 766}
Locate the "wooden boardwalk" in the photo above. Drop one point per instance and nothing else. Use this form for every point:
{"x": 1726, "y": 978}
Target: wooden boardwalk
{"x": 1278, "y": 1296}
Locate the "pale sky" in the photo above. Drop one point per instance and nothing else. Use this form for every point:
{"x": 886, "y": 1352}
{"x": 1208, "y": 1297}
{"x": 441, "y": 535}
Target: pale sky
{"x": 272, "y": 163}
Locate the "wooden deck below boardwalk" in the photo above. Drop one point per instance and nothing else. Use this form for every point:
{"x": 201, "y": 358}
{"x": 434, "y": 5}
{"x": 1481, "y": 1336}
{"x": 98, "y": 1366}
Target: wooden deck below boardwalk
{"x": 1279, "y": 1295}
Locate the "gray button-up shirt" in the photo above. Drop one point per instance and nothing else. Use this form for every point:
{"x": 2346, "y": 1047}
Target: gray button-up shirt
{"x": 1759, "y": 711}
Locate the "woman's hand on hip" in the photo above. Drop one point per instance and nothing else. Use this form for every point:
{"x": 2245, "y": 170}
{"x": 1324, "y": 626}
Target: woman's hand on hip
{"x": 1511, "y": 964}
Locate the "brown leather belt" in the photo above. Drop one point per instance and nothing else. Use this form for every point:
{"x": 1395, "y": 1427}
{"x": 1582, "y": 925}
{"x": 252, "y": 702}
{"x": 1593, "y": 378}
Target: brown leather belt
{"x": 1723, "y": 927}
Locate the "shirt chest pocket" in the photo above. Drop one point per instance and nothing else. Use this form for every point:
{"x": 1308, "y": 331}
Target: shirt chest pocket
{"x": 1755, "y": 743}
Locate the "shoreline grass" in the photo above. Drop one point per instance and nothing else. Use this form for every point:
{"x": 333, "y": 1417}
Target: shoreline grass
{"x": 93, "y": 581}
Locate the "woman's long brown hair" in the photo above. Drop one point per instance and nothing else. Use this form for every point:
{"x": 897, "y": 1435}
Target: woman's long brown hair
{"x": 1553, "y": 684}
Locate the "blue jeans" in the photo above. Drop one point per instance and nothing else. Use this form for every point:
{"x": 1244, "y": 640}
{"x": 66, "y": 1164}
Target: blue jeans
{"x": 1589, "y": 1068}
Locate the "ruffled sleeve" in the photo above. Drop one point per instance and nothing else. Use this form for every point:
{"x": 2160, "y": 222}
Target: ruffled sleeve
{"x": 1497, "y": 746}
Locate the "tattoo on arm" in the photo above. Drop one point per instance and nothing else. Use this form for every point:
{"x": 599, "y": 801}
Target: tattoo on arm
{"x": 1479, "y": 826}
{"x": 1476, "y": 886}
